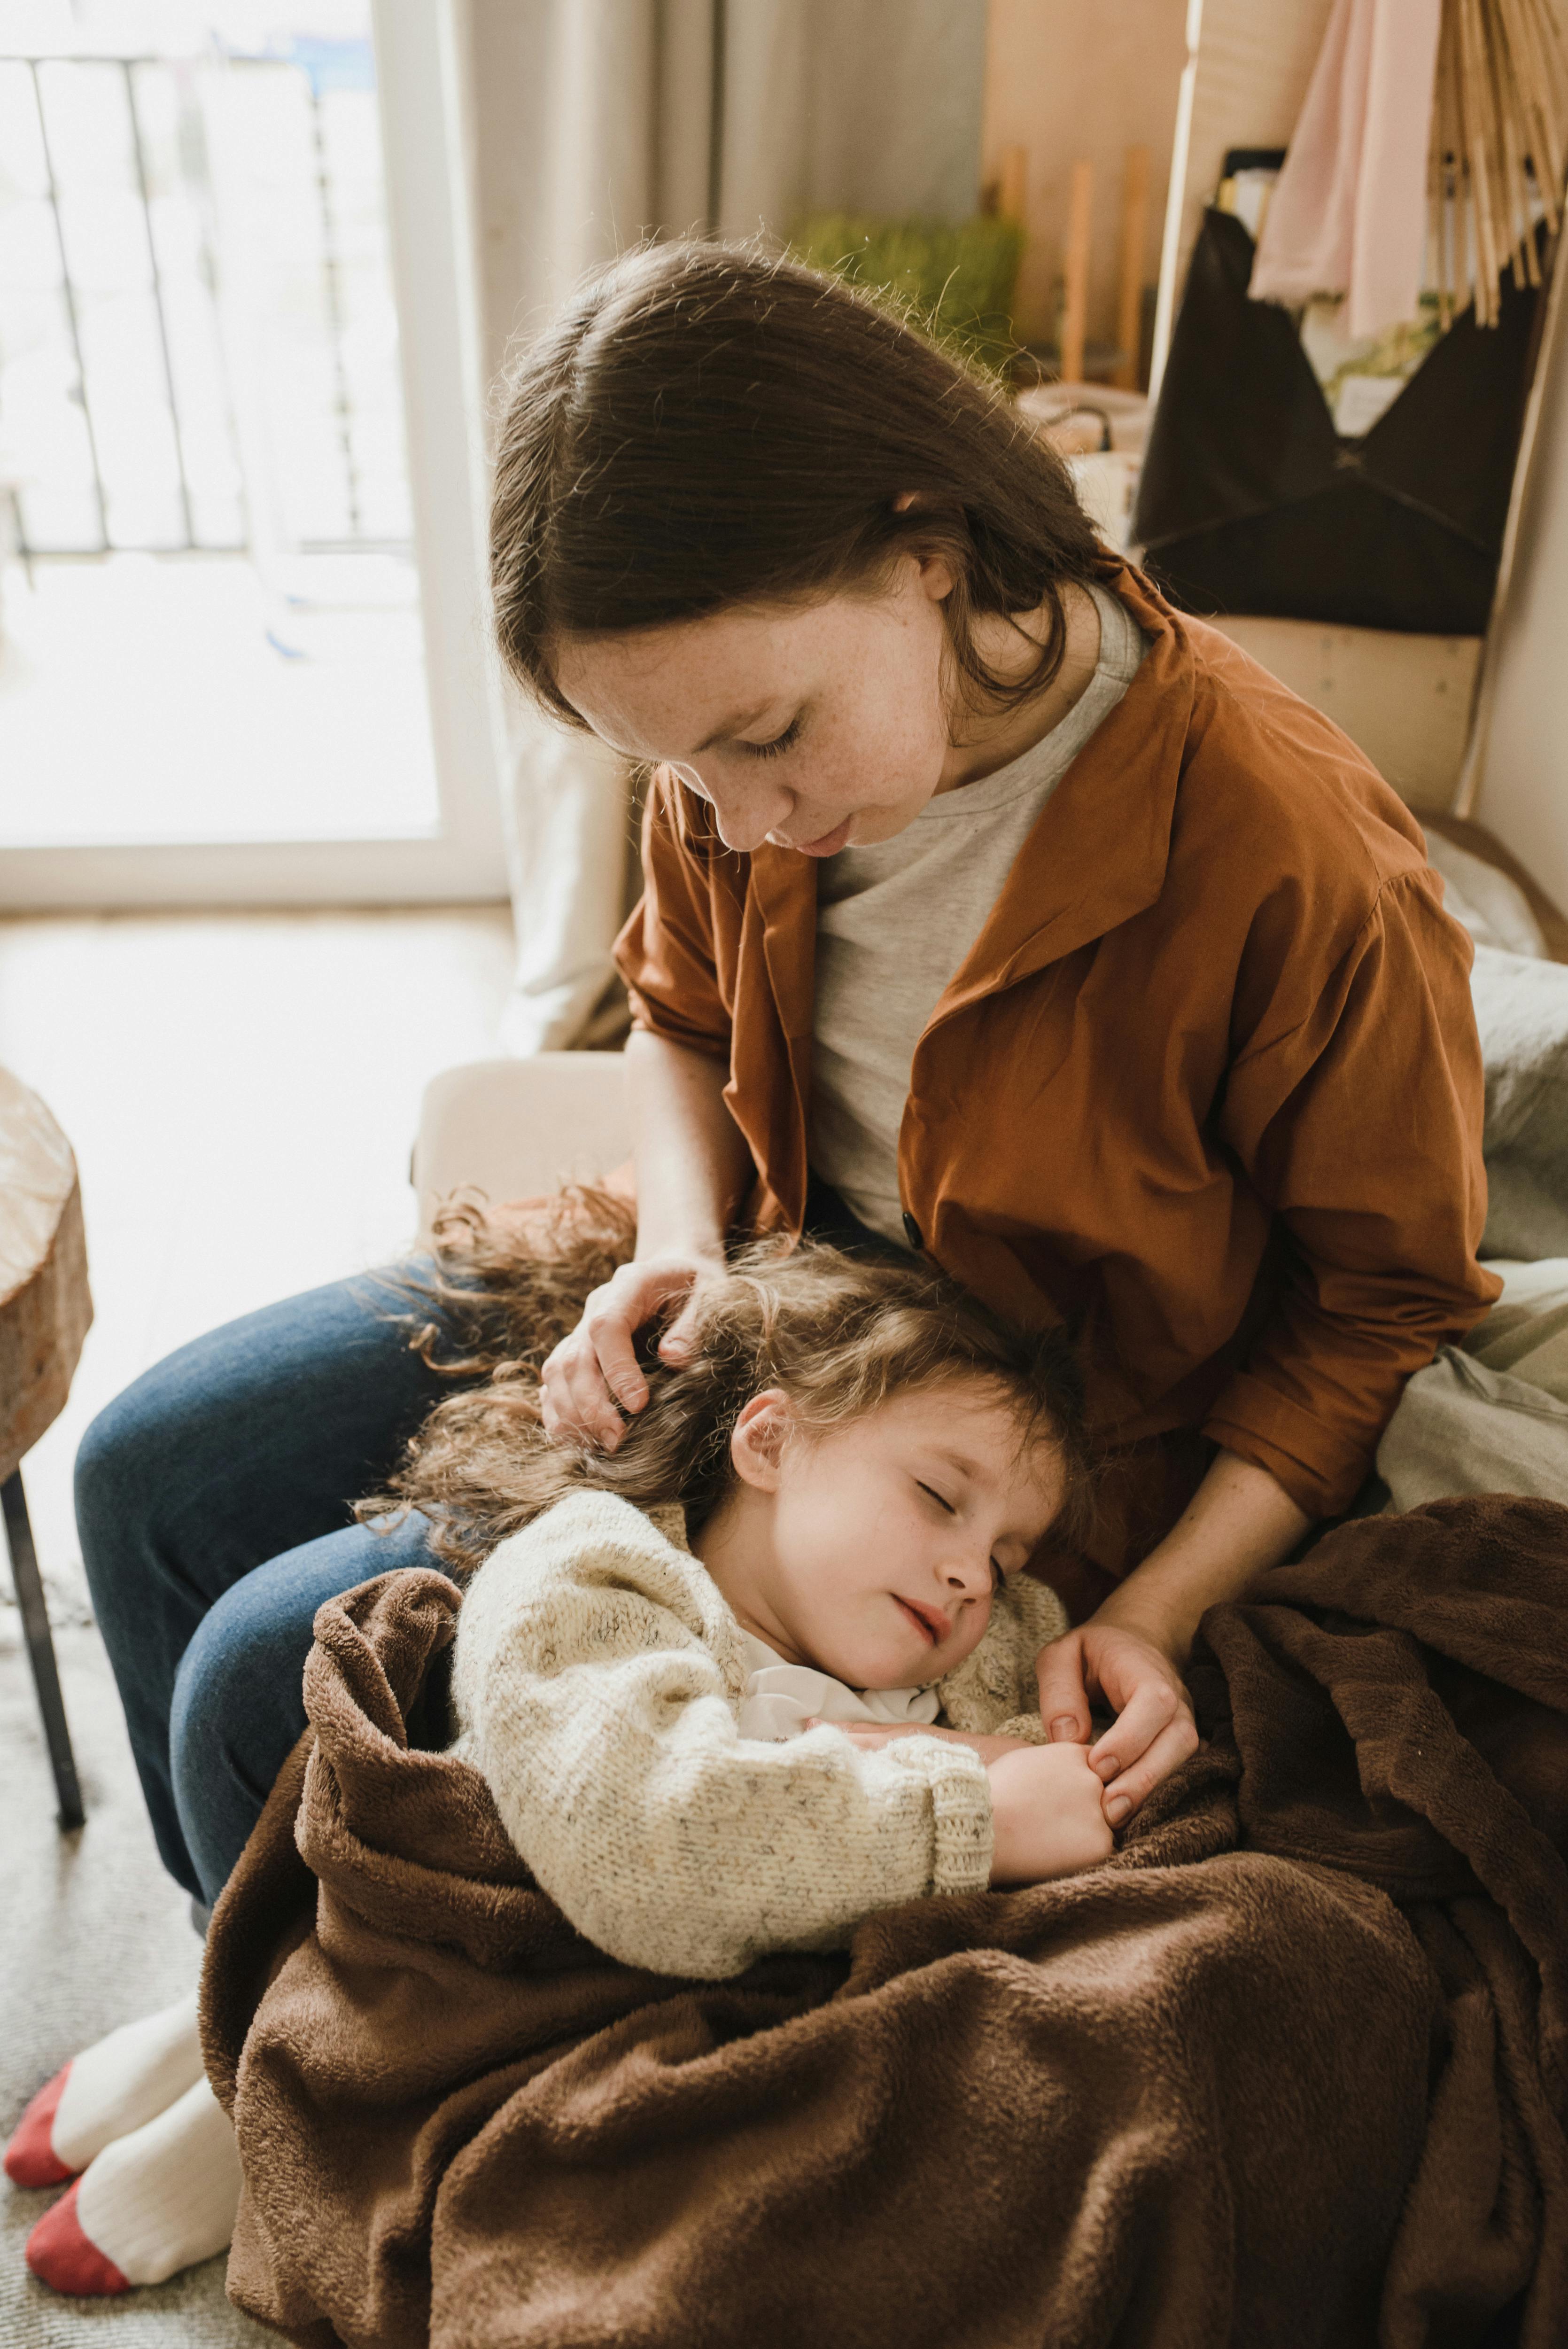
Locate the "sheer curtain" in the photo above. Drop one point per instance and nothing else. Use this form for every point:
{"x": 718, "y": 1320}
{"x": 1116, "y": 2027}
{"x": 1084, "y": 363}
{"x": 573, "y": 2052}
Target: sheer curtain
{"x": 598, "y": 122}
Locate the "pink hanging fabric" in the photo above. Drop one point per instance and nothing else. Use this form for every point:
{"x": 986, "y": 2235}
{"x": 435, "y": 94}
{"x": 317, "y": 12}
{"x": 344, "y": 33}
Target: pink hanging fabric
{"x": 1348, "y": 214}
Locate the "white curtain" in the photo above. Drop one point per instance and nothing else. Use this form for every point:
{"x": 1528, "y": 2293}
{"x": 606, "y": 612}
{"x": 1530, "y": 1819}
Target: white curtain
{"x": 597, "y": 122}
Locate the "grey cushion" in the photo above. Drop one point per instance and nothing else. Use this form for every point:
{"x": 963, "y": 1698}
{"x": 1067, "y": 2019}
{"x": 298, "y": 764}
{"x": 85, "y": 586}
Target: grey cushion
{"x": 1492, "y": 1418}
{"x": 1463, "y": 1428}
{"x": 1522, "y": 1011}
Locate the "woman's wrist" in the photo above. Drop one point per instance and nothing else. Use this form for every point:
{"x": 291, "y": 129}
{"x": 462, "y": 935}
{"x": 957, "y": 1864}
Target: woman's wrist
{"x": 692, "y": 1162}
{"x": 1239, "y": 1523}
{"x": 703, "y": 1250}
{"x": 1167, "y": 1622}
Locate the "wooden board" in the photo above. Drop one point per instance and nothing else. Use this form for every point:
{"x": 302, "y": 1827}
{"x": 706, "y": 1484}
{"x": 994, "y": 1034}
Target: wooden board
{"x": 1404, "y": 699}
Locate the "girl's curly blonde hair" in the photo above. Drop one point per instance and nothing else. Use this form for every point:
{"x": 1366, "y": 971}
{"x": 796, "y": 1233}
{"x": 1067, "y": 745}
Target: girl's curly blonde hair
{"x": 837, "y": 1334}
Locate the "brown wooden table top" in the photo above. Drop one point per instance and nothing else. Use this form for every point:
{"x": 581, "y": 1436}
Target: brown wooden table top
{"x": 45, "y": 1305}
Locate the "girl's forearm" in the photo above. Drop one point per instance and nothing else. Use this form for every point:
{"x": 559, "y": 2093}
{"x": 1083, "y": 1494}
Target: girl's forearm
{"x": 1238, "y": 1522}
{"x": 692, "y": 1162}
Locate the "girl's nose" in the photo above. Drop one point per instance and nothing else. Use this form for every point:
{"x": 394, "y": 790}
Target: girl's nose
{"x": 971, "y": 1576}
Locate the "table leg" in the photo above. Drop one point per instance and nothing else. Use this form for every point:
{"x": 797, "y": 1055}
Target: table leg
{"x": 40, "y": 1647}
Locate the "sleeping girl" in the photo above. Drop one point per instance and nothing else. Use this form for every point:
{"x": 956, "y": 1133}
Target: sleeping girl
{"x": 764, "y": 1669}
{"x": 770, "y": 1665}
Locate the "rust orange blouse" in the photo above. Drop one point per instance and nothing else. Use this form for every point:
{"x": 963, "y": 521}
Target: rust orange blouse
{"x": 1207, "y": 1088}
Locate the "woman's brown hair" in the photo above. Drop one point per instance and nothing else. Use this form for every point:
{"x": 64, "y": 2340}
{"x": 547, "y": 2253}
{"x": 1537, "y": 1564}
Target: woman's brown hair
{"x": 837, "y": 1334}
{"x": 707, "y": 425}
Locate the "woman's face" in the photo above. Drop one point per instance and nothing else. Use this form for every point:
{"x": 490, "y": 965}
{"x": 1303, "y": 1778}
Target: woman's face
{"x": 813, "y": 726}
{"x": 874, "y": 1551}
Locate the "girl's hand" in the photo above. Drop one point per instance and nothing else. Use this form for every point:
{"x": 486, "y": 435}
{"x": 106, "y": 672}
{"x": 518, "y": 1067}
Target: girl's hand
{"x": 1047, "y": 1816}
{"x": 1153, "y": 1730}
{"x": 872, "y": 1733}
{"x": 596, "y": 1368}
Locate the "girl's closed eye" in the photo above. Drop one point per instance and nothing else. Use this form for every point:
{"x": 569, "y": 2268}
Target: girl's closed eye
{"x": 779, "y": 743}
{"x": 998, "y": 1573}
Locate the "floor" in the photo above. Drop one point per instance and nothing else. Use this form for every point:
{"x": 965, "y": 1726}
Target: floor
{"x": 242, "y": 1092}
{"x": 91, "y": 1932}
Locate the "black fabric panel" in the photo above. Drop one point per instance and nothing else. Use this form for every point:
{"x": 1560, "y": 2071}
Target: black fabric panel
{"x": 1241, "y": 425}
{"x": 1450, "y": 439}
{"x": 1249, "y": 501}
{"x": 1350, "y": 556}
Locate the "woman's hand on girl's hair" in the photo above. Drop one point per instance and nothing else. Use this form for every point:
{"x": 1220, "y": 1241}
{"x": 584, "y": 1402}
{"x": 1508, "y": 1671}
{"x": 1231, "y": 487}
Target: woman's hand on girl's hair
{"x": 1153, "y": 1730}
{"x": 593, "y": 1377}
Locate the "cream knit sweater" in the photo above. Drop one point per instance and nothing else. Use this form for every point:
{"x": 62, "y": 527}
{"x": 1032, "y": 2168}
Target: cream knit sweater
{"x": 597, "y": 1680}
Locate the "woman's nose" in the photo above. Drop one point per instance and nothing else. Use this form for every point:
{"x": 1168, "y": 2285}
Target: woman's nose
{"x": 747, "y": 816}
{"x": 745, "y": 825}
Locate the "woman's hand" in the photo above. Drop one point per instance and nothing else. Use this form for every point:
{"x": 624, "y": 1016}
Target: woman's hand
{"x": 1047, "y": 1817}
{"x": 1138, "y": 1681}
{"x": 596, "y": 1368}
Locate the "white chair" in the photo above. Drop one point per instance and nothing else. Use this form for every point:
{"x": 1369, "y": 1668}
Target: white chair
{"x": 515, "y": 1129}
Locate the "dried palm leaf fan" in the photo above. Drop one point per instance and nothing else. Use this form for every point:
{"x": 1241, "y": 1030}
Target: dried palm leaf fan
{"x": 1500, "y": 144}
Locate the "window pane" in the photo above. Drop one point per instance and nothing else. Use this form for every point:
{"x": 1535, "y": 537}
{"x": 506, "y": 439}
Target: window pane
{"x": 199, "y": 391}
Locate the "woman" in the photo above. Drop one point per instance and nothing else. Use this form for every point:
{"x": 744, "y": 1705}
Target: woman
{"x": 992, "y": 910}
{"x": 1046, "y": 927}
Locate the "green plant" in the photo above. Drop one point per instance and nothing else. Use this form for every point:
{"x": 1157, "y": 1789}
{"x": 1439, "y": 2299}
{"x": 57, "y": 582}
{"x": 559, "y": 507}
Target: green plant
{"x": 954, "y": 282}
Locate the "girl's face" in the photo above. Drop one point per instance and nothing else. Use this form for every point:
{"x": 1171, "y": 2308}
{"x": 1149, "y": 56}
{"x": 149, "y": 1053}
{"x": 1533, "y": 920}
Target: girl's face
{"x": 812, "y": 726}
{"x": 873, "y": 1552}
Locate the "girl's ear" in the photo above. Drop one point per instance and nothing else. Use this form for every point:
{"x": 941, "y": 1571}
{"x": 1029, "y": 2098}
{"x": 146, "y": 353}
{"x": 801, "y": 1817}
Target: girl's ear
{"x": 756, "y": 1440}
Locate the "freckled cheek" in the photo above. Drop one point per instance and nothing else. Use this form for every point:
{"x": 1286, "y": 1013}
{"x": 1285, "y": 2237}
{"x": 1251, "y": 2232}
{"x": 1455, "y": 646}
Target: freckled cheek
{"x": 871, "y": 765}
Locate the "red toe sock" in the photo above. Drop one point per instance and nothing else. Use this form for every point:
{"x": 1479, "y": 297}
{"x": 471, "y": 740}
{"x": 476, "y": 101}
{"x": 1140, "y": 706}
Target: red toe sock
{"x": 30, "y": 2158}
{"x": 61, "y": 2256}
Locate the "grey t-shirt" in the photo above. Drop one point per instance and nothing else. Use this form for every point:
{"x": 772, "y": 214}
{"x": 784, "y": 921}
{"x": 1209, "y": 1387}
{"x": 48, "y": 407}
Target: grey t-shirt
{"x": 896, "y": 920}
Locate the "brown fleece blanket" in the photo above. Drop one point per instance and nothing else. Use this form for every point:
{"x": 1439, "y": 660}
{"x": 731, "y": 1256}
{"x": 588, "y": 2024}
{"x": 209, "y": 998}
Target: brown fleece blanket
{"x": 1292, "y": 2069}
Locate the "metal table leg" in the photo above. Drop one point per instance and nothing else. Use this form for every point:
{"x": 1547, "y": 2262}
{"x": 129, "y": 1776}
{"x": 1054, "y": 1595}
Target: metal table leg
{"x": 40, "y": 1647}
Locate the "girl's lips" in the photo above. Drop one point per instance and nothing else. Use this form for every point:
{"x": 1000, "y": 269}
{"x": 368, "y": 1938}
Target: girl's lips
{"x": 927, "y": 1624}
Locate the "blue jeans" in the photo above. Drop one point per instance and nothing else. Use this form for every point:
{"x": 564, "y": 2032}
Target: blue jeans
{"x": 213, "y": 1502}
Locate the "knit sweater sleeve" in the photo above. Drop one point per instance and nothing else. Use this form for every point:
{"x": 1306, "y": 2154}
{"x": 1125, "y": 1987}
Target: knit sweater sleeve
{"x": 595, "y": 1681}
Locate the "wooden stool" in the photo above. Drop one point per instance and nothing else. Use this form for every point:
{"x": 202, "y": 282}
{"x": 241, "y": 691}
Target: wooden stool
{"x": 46, "y": 1310}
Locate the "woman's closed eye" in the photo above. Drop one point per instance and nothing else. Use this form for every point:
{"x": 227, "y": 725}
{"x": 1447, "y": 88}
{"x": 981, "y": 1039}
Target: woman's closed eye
{"x": 779, "y": 743}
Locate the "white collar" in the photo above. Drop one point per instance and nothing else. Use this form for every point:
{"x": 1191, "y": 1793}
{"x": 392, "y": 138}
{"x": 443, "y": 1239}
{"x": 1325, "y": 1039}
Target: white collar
{"x": 780, "y": 1698}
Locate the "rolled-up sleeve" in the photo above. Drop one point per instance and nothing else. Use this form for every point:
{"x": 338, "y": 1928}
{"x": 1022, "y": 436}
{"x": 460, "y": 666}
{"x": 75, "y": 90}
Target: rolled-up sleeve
{"x": 1361, "y": 1128}
{"x": 665, "y": 954}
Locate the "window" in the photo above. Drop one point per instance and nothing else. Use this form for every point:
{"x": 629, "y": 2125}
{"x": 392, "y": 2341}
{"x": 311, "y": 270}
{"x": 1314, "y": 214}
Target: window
{"x": 221, "y": 674}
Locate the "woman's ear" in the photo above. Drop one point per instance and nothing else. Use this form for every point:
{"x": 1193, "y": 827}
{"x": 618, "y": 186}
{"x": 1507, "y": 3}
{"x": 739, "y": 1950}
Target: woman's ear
{"x": 756, "y": 1440}
{"x": 933, "y": 571}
